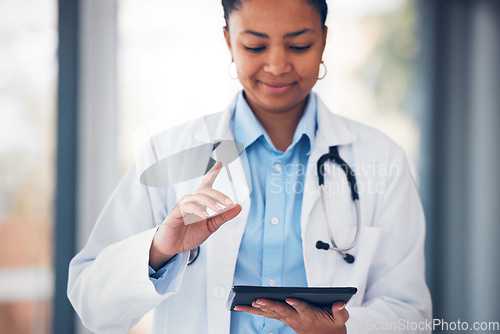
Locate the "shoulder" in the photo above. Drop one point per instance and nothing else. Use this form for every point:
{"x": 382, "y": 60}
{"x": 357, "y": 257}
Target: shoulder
{"x": 365, "y": 140}
{"x": 189, "y": 132}
{"x": 367, "y": 136}
{"x": 205, "y": 128}
{"x": 379, "y": 163}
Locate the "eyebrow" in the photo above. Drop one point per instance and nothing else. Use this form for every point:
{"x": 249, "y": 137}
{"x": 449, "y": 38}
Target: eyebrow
{"x": 287, "y": 35}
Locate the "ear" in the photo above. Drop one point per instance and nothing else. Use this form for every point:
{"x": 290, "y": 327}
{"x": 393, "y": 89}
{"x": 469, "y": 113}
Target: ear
{"x": 325, "y": 34}
{"x": 228, "y": 41}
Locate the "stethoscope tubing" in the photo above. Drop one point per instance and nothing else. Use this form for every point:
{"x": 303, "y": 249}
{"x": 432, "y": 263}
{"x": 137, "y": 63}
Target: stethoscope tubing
{"x": 333, "y": 155}
{"x": 334, "y": 246}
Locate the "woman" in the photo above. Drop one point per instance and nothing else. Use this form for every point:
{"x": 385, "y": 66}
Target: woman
{"x": 136, "y": 258}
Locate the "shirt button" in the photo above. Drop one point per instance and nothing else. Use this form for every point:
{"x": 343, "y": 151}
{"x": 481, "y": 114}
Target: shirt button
{"x": 275, "y": 221}
{"x": 219, "y": 292}
{"x": 277, "y": 168}
{"x": 272, "y": 282}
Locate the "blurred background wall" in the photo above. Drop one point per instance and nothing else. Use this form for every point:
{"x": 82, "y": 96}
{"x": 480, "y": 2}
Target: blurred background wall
{"x": 81, "y": 80}
{"x": 28, "y": 77}
{"x": 460, "y": 113}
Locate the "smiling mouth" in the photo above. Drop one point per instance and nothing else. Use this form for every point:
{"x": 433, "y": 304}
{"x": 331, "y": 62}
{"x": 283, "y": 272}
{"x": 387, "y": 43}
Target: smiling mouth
{"x": 277, "y": 87}
{"x": 277, "y": 84}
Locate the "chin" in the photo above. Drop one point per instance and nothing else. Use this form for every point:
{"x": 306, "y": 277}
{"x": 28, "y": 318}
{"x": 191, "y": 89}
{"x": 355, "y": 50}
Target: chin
{"x": 279, "y": 103}
{"x": 279, "y": 106}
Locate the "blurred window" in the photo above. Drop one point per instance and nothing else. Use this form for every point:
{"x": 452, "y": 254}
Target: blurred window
{"x": 173, "y": 66}
{"x": 28, "y": 73}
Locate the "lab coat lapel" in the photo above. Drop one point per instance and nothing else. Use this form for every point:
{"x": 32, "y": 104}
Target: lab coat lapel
{"x": 222, "y": 252}
{"x": 332, "y": 130}
{"x": 223, "y": 246}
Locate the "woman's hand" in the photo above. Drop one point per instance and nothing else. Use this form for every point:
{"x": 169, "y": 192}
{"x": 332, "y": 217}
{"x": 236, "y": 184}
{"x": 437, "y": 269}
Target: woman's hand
{"x": 175, "y": 236}
{"x": 301, "y": 316}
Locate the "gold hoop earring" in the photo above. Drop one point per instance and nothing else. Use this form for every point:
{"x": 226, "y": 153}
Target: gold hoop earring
{"x": 322, "y": 76}
{"x": 231, "y": 70}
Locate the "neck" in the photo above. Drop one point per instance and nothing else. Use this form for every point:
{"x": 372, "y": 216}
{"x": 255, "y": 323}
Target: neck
{"x": 280, "y": 126}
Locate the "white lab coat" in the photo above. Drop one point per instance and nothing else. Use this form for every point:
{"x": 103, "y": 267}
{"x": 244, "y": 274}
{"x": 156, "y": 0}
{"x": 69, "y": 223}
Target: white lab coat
{"x": 109, "y": 284}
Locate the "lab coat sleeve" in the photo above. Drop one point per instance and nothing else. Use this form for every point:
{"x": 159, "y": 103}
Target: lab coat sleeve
{"x": 109, "y": 284}
{"x": 396, "y": 299}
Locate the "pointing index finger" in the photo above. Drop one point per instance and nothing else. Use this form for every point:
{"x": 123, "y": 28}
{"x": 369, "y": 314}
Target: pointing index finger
{"x": 209, "y": 178}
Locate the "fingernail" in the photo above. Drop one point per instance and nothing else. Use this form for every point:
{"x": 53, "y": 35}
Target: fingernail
{"x": 261, "y": 304}
{"x": 206, "y": 213}
{"x": 254, "y": 304}
{"x": 341, "y": 307}
{"x": 228, "y": 201}
{"x": 218, "y": 206}
{"x": 236, "y": 308}
{"x": 289, "y": 302}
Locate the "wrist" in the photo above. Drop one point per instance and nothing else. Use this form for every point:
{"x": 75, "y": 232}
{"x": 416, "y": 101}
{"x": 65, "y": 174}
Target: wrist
{"x": 157, "y": 258}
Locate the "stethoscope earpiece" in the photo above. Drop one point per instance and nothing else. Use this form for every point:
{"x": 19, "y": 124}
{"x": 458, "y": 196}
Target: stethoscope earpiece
{"x": 346, "y": 256}
{"x": 322, "y": 245}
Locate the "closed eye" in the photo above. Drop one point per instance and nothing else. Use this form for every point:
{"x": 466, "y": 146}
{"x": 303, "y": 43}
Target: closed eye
{"x": 300, "y": 48}
{"x": 258, "y": 49}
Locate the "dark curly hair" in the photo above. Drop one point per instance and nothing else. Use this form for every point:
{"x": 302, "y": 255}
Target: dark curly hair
{"x": 232, "y": 5}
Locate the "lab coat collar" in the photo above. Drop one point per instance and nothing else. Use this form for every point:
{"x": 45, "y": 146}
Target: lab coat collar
{"x": 218, "y": 126}
{"x": 334, "y": 130}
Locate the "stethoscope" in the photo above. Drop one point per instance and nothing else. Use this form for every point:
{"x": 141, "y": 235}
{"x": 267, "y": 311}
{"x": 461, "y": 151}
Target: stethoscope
{"x": 193, "y": 255}
{"x": 333, "y": 155}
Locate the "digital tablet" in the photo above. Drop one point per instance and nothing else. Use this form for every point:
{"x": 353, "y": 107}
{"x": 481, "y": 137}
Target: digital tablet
{"x": 321, "y": 297}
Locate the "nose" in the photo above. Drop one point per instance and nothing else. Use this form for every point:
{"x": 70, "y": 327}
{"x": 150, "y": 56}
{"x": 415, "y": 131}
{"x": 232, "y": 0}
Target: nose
{"x": 277, "y": 62}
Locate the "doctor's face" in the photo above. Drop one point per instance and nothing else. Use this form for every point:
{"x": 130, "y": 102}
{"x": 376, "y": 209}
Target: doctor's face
{"x": 277, "y": 47}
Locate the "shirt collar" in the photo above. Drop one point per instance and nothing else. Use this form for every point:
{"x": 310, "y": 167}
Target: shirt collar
{"x": 247, "y": 128}
{"x": 308, "y": 124}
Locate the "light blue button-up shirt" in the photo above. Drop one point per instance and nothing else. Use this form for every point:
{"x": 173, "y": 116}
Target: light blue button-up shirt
{"x": 271, "y": 248}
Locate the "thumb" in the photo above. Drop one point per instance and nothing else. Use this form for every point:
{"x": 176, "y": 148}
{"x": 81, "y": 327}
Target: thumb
{"x": 340, "y": 314}
{"x": 225, "y": 215}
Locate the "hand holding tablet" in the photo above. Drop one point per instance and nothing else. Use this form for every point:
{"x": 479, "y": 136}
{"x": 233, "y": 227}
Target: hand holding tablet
{"x": 321, "y": 297}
